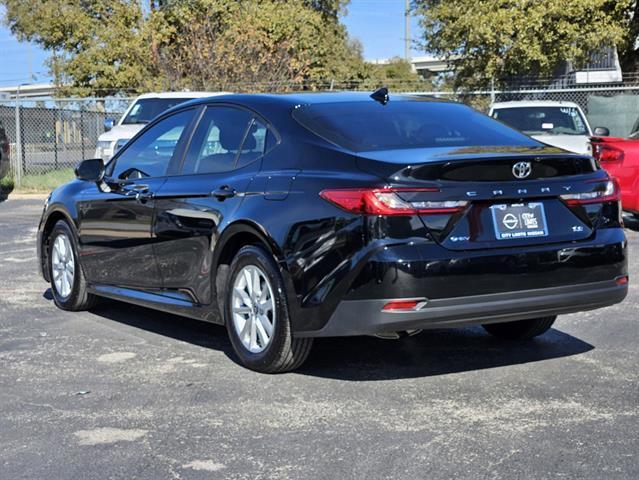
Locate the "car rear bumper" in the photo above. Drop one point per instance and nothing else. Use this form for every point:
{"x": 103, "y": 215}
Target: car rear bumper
{"x": 465, "y": 287}
{"x": 365, "y": 317}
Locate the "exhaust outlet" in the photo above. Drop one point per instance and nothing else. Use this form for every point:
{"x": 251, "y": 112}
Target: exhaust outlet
{"x": 397, "y": 335}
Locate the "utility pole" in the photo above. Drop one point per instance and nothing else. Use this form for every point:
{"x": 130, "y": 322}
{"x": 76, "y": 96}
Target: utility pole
{"x": 407, "y": 30}
{"x": 30, "y": 56}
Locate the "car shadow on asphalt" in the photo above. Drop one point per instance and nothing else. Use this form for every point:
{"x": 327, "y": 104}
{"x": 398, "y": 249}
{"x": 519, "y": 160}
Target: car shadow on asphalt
{"x": 431, "y": 353}
{"x": 185, "y": 329}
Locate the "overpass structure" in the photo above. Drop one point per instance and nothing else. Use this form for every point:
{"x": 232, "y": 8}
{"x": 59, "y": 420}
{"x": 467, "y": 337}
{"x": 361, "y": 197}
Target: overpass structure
{"x": 28, "y": 90}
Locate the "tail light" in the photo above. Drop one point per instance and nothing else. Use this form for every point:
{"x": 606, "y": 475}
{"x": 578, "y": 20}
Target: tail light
{"x": 611, "y": 193}
{"x": 386, "y": 201}
{"x": 607, "y": 154}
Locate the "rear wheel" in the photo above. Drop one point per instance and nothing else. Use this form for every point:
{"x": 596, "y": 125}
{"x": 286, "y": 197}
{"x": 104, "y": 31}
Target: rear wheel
{"x": 68, "y": 285}
{"x": 521, "y": 329}
{"x": 256, "y": 315}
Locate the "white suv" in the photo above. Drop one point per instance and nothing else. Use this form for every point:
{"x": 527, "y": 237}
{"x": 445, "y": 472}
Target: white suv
{"x": 560, "y": 124}
{"x": 141, "y": 111}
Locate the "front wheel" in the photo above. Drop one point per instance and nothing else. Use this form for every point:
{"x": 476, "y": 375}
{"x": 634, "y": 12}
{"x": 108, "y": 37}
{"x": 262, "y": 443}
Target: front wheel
{"x": 256, "y": 315}
{"x": 521, "y": 329}
{"x": 68, "y": 286}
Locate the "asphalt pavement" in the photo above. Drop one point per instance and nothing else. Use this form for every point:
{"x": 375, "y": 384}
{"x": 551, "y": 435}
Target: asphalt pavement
{"x": 123, "y": 392}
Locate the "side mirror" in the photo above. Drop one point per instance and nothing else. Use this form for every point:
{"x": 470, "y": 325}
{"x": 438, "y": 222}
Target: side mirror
{"x": 108, "y": 124}
{"x": 601, "y": 132}
{"x": 91, "y": 170}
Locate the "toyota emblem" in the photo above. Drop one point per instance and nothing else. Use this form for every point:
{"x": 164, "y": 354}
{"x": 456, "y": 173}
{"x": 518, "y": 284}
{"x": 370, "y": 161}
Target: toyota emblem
{"x": 522, "y": 170}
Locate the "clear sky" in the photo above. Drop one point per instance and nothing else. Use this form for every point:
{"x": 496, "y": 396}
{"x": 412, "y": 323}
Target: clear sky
{"x": 19, "y": 59}
{"x": 378, "y": 24}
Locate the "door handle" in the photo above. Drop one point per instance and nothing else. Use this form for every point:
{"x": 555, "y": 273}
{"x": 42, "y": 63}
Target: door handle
{"x": 223, "y": 192}
{"x": 140, "y": 192}
{"x": 143, "y": 196}
{"x": 136, "y": 189}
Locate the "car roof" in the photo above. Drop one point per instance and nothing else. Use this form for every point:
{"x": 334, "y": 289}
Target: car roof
{"x": 270, "y": 104}
{"x": 291, "y": 100}
{"x": 533, "y": 103}
{"x": 180, "y": 95}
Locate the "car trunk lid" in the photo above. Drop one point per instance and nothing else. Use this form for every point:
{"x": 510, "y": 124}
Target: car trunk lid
{"x": 513, "y": 195}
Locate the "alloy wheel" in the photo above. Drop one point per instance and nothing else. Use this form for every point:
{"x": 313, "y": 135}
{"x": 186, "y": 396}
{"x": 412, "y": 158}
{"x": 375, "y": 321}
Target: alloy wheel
{"x": 62, "y": 265}
{"x": 253, "y": 309}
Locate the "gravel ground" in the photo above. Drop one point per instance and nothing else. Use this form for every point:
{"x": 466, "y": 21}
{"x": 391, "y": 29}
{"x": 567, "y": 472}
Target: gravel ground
{"x": 125, "y": 392}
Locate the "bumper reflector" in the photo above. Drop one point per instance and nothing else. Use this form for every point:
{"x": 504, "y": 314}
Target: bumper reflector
{"x": 622, "y": 280}
{"x": 406, "y": 305}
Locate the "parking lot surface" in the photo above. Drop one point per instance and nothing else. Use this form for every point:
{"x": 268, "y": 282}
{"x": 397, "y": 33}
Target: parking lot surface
{"x": 125, "y": 392}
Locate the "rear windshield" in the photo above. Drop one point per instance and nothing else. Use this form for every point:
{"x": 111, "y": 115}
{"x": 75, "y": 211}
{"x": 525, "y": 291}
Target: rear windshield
{"x": 366, "y": 126}
{"x": 543, "y": 120}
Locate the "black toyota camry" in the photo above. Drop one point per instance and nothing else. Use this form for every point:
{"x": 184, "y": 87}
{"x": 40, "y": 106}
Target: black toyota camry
{"x": 289, "y": 217}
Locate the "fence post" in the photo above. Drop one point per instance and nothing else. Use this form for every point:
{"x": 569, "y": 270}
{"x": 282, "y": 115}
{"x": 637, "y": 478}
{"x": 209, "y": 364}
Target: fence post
{"x": 492, "y": 90}
{"x": 55, "y": 137}
{"x": 82, "y": 129}
{"x": 18, "y": 163}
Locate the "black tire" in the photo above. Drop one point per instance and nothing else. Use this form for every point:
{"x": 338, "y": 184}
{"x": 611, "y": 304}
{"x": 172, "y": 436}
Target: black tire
{"x": 284, "y": 352}
{"x": 521, "y": 329}
{"x": 79, "y": 298}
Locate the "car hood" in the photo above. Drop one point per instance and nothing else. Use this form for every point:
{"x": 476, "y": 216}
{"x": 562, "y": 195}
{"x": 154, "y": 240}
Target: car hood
{"x": 572, "y": 143}
{"x": 121, "y": 132}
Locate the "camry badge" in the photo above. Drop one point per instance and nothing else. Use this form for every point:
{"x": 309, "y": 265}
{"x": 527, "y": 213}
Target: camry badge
{"x": 522, "y": 169}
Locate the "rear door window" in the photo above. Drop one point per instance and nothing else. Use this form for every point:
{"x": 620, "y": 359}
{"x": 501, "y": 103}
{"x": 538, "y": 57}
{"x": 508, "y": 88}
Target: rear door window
{"x": 226, "y": 138}
{"x": 258, "y": 140}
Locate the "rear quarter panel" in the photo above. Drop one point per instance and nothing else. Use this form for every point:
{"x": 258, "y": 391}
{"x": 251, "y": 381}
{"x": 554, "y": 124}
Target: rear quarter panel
{"x": 626, "y": 172}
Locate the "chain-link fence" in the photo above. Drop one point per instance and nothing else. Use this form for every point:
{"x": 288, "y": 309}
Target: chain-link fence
{"x": 614, "y": 106}
{"x": 46, "y": 134}
{"x": 57, "y": 133}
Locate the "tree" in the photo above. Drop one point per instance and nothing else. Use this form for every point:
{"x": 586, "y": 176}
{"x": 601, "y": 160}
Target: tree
{"x": 328, "y": 8}
{"x": 496, "y": 39}
{"x": 629, "y": 48}
{"x": 236, "y": 46}
{"x": 258, "y": 45}
{"x": 101, "y": 47}
{"x": 98, "y": 46}
{"x": 397, "y": 75}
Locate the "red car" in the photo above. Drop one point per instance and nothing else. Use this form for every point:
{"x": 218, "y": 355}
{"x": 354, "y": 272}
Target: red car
{"x": 620, "y": 158}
